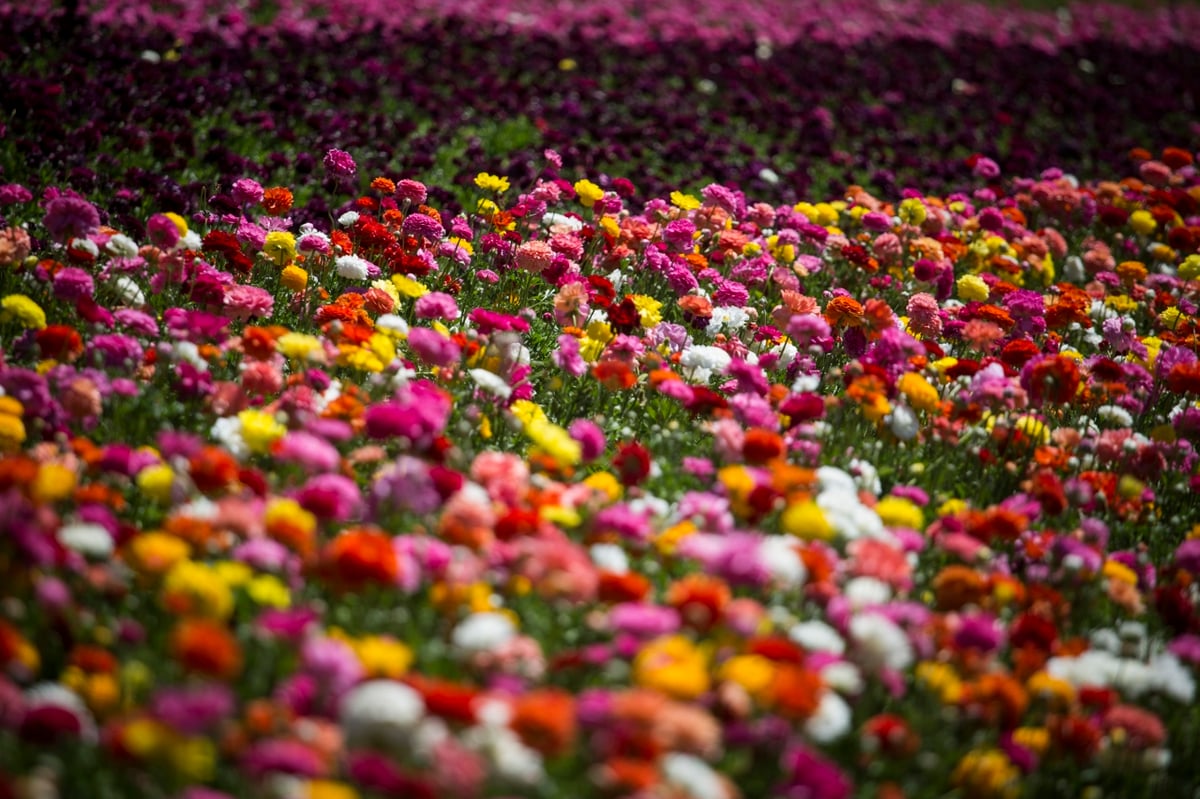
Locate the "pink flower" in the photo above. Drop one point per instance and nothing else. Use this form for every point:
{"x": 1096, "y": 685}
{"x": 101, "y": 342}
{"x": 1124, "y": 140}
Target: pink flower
{"x": 246, "y": 302}
{"x": 410, "y": 191}
{"x": 312, "y": 453}
{"x": 70, "y": 218}
{"x": 534, "y": 256}
{"x": 505, "y": 476}
{"x": 567, "y": 357}
{"x": 432, "y": 347}
{"x": 436, "y": 305}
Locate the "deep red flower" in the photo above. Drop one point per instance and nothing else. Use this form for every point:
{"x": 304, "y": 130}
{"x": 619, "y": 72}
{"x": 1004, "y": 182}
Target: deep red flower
{"x": 632, "y": 463}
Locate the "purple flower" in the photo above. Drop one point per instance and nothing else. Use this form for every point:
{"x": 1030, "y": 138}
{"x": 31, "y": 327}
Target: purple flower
{"x": 70, "y": 218}
{"x": 281, "y": 756}
{"x": 340, "y": 164}
{"x": 192, "y": 710}
{"x": 116, "y": 351}
{"x": 405, "y": 485}
{"x": 73, "y": 283}
{"x": 13, "y": 193}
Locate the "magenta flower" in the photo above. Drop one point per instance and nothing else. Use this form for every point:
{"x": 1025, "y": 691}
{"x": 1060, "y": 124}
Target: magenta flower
{"x": 340, "y": 164}
{"x": 432, "y": 347}
{"x": 70, "y": 218}
{"x": 436, "y": 305}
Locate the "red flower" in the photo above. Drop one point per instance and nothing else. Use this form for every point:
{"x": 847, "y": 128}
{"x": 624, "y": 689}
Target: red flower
{"x": 358, "y": 557}
{"x": 632, "y": 463}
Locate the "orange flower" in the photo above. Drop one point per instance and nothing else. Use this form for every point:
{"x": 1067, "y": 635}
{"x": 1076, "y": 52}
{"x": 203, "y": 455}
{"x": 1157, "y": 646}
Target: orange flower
{"x": 844, "y": 311}
{"x": 997, "y": 699}
{"x": 699, "y": 598}
{"x": 277, "y": 200}
{"x": 361, "y": 556}
{"x": 618, "y": 587}
{"x": 957, "y": 586}
{"x": 545, "y": 720}
{"x": 796, "y": 691}
{"x": 205, "y": 647}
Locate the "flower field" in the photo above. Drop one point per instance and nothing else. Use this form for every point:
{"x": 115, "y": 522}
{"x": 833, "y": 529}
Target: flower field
{"x": 688, "y": 401}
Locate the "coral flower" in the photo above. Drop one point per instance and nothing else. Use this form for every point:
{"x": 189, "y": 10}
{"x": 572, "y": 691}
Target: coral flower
{"x": 361, "y": 556}
{"x": 207, "y": 648}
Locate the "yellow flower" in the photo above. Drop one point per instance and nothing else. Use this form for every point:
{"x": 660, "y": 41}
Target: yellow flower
{"x": 194, "y": 589}
{"x": 920, "y": 394}
{"x": 752, "y": 672}
{"x": 489, "y": 182}
{"x": 588, "y": 193}
{"x": 408, "y": 287}
{"x": 260, "y": 430}
{"x": 912, "y": 211}
{"x": 300, "y": 347}
{"x": 156, "y": 482}
{"x": 1171, "y": 317}
{"x": 284, "y": 513}
{"x": 806, "y": 520}
{"x": 461, "y": 244}
{"x": 606, "y": 483}
{"x": 280, "y": 247}
{"x": 154, "y": 553}
{"x": 555, "y": 442}
{"x": 1121, "y": 303}
{"x": 972, "y": 288}
{"x": 610, "y": 226}
{"x": 23, "y": 310}
{"x": 1142, "y": 222}
{"x": 683, "y": 201}
{"x": 268, "y": 590}
{"x": 952, "y": 507}
{"x": 941, "y": 679}
{"x": 1190, "y": 268}
{"x": 1115, "y": 570}
{"x": 568, "y": 65}
{"x": 1033, "y": 427}
{"x": 54, "y": 482}
{"x": 142, "y": 736}
{"x": 180, "y": 223}
{"x": 383, "y": 657}
{"x": 987, "y": 773}
{"x": 1057, "y": 691}
{"x": 674, "y": 665}
{"x": 234, "y": 573}
{"x": 900, "y": 512}
{"x": 649, "y": 310}
{"x": 293, "y": 278}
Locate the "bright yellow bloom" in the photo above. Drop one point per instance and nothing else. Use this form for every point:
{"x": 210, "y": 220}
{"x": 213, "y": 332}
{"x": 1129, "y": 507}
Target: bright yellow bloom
{"x": 280, "y": 247}
{"x": 24, "y": 311}
{"x": 972, "y": 288}
{"x": 54, "y": 482}
{"x": 683, "y": 201}
{"x": 383, "y": 657}
{"x": 234, "y": 573}
{"x": 555, "y": 442}
{"x": 610, "y": 226}
{"x": 195, "y": 589}
{"x": 489, "y": 182}
{"x": 606, "y": 483}
{"x": 293, "y": 278}
{"x": 300, "y": 347}
{"x": 1190, "y": 268}
{"x": 1142, "y": 222}
{"x": 806, "y": 520}
{"x": 669, "y": 539}
{"x": 1115, "y": 570}
{"x": 912, "y": 211}
{"x": 920, "y": 394}
{"x": 900, "y": 512}
{"x": 260, "y": 430}
{"x": 408, "y": 287}
{"x": 461, "y": 244}
{"x": 142, "y": 736}
{"x": 180, "y": 223}
{"x": 1171, "y": 318}
{"x": 674, "y": 665}
{"x": 269, "y": 590}
{"x": 328, "y": 789}
{"x": 589, "y": 193}
{"x": 156, "y": 481}
{"x": 649, "y": 310}
{"x": 941, "y": 679}
{"x": 752, "y": 672}
{"x": 12, "y": 432}
{"x": 287, "y": 513}
{"x": 1057, "y": 691}
{"x": 952, "y": 507}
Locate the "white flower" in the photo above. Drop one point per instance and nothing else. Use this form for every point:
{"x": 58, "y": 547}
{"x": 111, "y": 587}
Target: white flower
{"x": 880, "y": 643}
{"x": 864, "y": 592}
{"x": 843, "y": 677}
{"x": 347, "y": 219}
{"x": 778, "y": 554}
{"x": 491, "y": 382}
{"x": 903, "y": 423}
{"x": 481, "y": 632}
{"x": 351, "y": 267}
{"x": 831, "y": 719}
{"x": 703, "y": 361}
{"x": 228, "y": 432}
{"x": 190, "y": 241}
{"x": 817, "y": 636}
{"x": 610, "y": 558}
{"x": 727, "y": 317}
{"x": 85, "y": 245}
{"x": 392, "y": 324}
{"x": 380, "y": 714}
{"x": 189, "y": 352}
{"x": 569, "y": 222}
{"x": 692, "y": 776}
{"x": 121, "y": 246}
{"x": 87, "y": 539}
{"x": 1114, "y": 416}
{"x": 129, "y": 291}
{"x": 511, "y": 760}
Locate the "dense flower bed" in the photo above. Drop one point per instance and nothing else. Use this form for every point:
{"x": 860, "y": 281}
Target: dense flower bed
{"x": 704, "y": 498}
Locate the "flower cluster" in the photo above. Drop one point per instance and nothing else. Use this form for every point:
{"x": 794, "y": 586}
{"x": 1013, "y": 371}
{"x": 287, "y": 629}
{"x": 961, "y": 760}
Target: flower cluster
{"x": 707, "y": 498}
